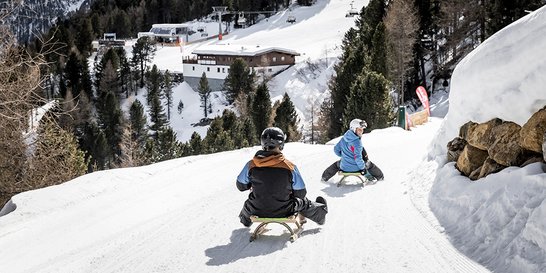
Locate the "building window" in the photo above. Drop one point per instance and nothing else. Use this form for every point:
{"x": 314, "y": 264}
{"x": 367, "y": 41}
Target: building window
{"x": 274, "y": 59}
{"x": 223, "y": 70}
{"x": 193, "y": 68}
{"x": 208, "y": 69}
{"x": 218, "y": 70}
{"x": 282, "y": 58}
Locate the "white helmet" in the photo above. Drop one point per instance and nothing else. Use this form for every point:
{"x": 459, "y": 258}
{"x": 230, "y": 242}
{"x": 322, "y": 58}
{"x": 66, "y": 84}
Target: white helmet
{"x": 357, "y": 123}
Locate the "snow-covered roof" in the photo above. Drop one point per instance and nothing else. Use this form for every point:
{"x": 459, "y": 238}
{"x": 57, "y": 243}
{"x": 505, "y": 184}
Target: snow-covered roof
{"x": 170, "y": 25}
{"x": 241, "y": 50}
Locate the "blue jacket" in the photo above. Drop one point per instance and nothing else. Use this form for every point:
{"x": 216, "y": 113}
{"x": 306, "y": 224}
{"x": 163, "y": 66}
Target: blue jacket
{"x": 349, "y": 148}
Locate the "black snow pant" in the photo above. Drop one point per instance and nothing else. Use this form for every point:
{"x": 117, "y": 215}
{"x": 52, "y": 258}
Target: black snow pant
{"x": 334, "y": 168}
{"x": 313, "y": 211}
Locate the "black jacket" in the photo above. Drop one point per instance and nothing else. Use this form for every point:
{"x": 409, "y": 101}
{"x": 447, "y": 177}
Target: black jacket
{"x": 274, "y": 182}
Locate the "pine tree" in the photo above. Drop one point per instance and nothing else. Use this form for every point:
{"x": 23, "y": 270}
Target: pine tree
{"x": 137, "y": 121}
{"x": 217, "y": 140}
{"x": 86, "y": 82}
{"x": 350, "y": 65}
{"x": 249, "y": 132}
{"x": 109, "y": 83}
{"x": 204, "y": 92}
{"x": 157, "y": 115}
{"x": 85, "y": 37}
{"x": 167, "y": 147}
{"x": 73, "y": 73}
{"x": 153, "y": 84}
{"x": 143, "y": 52}
{"x": 180, "y": 107}
{"x": 286, "y": 118}
{"x": 168, "y": 92}
{"x": 195, "y": 144}
{"x": 112, "y": 123}
{"x": 261, "y": 109}
{"x": 125, "y": 75}
{"x": 379, "y": 57}
{"x": 229, "y": 123}
{"x": 239, "y": 80}
{"x": 369, "y": 100}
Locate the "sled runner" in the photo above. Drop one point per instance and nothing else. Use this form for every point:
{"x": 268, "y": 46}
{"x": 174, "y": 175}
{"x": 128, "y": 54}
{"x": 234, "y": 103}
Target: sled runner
{"x": 261, "y": 228}
{"x": 366, "y": 179}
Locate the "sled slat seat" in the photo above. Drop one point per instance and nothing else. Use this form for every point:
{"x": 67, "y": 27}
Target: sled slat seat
{"x": 365, "y": 179}
{"x": 264, "y": 221}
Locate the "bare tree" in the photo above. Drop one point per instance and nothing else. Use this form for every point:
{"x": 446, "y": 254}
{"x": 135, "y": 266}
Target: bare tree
{"x": 402, "y": 24}
{"x": 19, "y": 80}
{"x": 30, "y": 160}
{"x": 56, "y": 158}
{"x": 313, "y": 108}
{"x": 131, "y": 155}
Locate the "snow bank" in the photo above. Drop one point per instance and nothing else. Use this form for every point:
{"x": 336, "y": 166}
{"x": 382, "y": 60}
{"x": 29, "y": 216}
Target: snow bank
{"x": 500, "y": 221}
{"x": 503, "y": 77}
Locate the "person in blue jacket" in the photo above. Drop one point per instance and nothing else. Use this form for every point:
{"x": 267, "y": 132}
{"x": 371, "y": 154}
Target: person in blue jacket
{"x": 276, "y": 186}
{"x": 353, "y": 155}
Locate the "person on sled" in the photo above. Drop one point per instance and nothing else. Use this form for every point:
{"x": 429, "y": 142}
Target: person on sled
{"x": 276, "y": 187}
{"x": 353, "y": 155}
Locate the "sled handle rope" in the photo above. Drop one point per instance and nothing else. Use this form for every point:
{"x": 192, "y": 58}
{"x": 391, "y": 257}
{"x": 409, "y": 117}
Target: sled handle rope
{"x": 260, "y": 229}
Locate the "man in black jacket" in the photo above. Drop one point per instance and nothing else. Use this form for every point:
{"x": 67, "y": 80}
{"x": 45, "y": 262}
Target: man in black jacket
{"x": 276, "y": 186}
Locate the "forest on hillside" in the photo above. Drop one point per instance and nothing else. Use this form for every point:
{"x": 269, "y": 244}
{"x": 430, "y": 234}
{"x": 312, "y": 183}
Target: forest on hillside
{"x": 394, "y": 47}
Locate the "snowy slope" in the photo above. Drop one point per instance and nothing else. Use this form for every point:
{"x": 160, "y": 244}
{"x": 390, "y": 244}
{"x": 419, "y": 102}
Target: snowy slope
{"x": 181, "y": 215}
{"x": 499, "y": 220}
{"x": 178, "y": 216}
{"x": 316, "y": 35}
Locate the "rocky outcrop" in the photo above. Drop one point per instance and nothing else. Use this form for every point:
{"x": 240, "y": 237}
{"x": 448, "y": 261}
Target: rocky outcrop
{"x": 480, "y": 136}
{"x": 532, "y": 133}
{"x": 471, "y": 159}
{"x": 505, "y": 148}
{"x": 486, "y": 148}
{"x": 544, "y": 147}
{"x": 455, "y": 148}
{"x": 490, "y": 166}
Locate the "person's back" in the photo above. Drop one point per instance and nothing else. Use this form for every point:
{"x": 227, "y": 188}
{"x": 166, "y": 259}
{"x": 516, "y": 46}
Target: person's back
{"x": 273, "y": 184}
{"x": 354, "y": 157}
{"x": 277, "y": 188}
{"x": 349, "y": 148}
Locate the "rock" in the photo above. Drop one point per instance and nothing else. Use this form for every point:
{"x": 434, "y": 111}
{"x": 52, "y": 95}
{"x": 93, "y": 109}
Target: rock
{"x": 489, "y": 167}
{"x": 475, "y": 175}
{"x": 479, "y": 135}
{"x": 455, "y": 148}
{"x": 506, "y": 149}
{"x": 470, "y": 159}
{"x": 532, "y": 132}
{"x": 463, "y": 131}
{"x": 531, "y": 160}
{"x": 544, "y": 147}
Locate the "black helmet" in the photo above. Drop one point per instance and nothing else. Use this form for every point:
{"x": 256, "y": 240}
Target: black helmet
{"x": 272, "y": 137}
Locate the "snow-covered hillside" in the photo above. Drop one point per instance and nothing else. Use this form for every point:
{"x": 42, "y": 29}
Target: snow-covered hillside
{"x": 499, "y": 220}
{"x": 316, "y": 35}
{"x": 181, "y": 215}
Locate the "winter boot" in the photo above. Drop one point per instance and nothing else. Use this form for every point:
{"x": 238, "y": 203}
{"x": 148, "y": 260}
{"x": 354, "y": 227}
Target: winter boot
{"x": 321, "y": 200}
